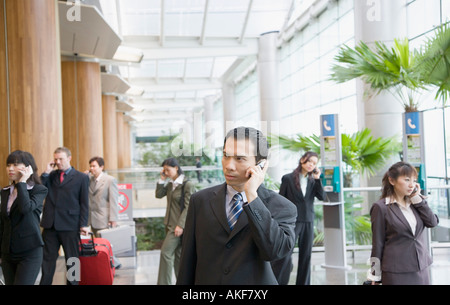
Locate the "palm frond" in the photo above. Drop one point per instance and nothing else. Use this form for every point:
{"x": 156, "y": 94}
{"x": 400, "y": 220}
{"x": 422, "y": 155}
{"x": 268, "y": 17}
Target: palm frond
{"x": 360, "y": 151}
{"x": 435, "y": 62}
{"x": 383, "y": 68}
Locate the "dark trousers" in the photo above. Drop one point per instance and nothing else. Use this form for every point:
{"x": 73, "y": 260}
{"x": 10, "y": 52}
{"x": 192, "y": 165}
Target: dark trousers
{"x": 23, "y": 268}
{"x": 70, "y": 241}
{"x": 304, "y": 232}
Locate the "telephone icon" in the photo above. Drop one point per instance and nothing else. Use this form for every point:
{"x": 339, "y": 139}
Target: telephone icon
{"x": 325, "y": 125}
{"x": 410, "y": 124}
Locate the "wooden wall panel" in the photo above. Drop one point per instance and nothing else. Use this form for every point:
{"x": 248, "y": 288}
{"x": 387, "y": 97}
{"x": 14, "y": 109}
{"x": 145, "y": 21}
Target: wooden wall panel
{"x": 109, "y": 132}
{"x": 120, "y": 141}
{"x": 33, "y": 78}
{"x": 127, "y": 145}
{"x": 4, "y": 133}
{"x": 82, "y": 111}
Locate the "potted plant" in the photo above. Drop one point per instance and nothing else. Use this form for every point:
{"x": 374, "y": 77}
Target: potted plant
{"x": 392, "y": 69}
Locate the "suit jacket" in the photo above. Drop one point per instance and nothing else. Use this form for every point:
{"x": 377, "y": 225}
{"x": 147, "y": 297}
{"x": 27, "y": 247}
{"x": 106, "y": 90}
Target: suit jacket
{"x": 393, "y": 242}
{"x": 103, "y": 201}
{"x": 303, "y": 202}
{"x": 67, "y": 204}
{"x": 174, "y": 216}
{"x": 19, "y": 231}
{"x": 212, "y": 254}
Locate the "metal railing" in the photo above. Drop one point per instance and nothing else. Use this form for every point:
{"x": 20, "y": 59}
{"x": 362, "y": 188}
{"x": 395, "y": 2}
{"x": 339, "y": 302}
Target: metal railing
{"x": 145, "y": 204}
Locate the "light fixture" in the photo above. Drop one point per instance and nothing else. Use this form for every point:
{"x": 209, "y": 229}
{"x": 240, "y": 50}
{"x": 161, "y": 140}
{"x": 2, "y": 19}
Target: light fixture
{"x": 135, "y": 91}
{"x": 128, "y": 54}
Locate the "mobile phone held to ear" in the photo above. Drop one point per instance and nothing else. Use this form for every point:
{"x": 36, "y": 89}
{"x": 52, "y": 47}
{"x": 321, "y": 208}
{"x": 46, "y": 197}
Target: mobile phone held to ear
{"x": 261, "y": 163}
{"x": 314, "y": 171}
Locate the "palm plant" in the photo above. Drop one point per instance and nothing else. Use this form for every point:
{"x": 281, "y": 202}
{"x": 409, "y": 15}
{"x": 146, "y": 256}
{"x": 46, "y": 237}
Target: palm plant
{"x": 362, "y": 154}
{"x": 435, "y": 62}
{"x": 360, "y": 151}
{"x": 392, "y": 69}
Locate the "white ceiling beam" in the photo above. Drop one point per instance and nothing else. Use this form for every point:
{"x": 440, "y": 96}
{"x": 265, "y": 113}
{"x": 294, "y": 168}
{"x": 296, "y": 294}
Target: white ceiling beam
{"x": 162, "y": 107}
{"x": 247, "y": 17}
{"x": 148, "y": 118}
{"x": 205, "y": 19}
{"x": 161, "y": 24}
{"x": 189, "y": 48}
{"x": 185, "y": 70}
{"x": 119, "y": 17}
{"x": 211, "y": 73}
{"x": 175, "y": 85}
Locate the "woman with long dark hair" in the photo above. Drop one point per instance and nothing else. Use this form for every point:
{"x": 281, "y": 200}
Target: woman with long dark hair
{"x": 301, "y": 187}
{"x": 399, "y": 244}
{"x": 21, "y": 207}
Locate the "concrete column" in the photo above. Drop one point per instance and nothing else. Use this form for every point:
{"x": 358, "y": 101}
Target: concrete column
{"x": 269, "y": 93}
{"x": 30, "y": 80}
{"x": 210, "y": 123}
{"x": 381, "y": 20}
{"x": 229, "y": 107}
{"x": 82, "y": 111}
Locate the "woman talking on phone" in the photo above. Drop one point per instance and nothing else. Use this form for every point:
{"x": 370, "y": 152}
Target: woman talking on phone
{"x": 178, "y": 189}
{"x": 20, "y": 210}
{"x": 399, "y": 244}
{"x": 301, "y": 187}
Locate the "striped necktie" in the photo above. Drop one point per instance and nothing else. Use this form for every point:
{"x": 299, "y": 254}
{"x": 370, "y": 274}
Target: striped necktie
{"x": 236, "y": 209}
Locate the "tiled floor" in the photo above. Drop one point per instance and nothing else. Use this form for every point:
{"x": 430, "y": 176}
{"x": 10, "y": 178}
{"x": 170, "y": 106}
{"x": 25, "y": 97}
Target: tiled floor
{"x": 143, "y": 269}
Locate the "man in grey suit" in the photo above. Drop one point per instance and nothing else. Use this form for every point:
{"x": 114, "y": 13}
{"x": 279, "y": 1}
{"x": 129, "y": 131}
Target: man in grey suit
{"x": 103, "y": 196}
{"x": 232, "y": 241}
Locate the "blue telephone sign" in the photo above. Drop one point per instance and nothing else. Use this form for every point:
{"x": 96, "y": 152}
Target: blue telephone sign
{"x": 412, "y": 123}
{"x": 328, "y": 126}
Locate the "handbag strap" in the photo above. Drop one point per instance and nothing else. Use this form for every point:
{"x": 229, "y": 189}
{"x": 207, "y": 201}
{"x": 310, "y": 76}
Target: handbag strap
{"x": 182, "y": 195}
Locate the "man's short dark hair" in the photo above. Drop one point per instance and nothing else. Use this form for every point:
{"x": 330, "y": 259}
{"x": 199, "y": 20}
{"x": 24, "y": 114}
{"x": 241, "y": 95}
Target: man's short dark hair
{"x": 253, "y": 135}
{"x": 99, "y": 160}
{"x": 64, "y": 150}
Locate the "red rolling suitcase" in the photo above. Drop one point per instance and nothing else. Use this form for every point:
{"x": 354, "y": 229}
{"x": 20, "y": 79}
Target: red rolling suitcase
{"x": 96, "y": 262}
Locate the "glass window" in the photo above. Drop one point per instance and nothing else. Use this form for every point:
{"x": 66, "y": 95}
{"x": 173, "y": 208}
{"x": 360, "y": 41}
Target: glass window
{"x": 423, "y": 15}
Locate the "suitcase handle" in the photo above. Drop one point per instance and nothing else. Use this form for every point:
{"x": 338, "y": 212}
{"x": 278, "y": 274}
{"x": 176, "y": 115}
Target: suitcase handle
{"x": 88, "y": 249}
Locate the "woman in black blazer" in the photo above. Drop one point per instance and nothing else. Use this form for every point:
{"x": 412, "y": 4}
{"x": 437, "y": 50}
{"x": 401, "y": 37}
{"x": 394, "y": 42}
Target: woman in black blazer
{"x": 21, "y": 206}
{"x": 301, "y": 187}
{"x": 400, "y": 253}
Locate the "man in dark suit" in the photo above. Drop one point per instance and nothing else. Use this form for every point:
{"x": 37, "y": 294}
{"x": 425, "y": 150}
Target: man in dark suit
{"x": 65, "y": 213}
{"x": 232, "y": 241}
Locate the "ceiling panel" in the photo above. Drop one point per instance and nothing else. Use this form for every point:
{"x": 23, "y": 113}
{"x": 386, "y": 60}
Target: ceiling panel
{"x": 189, "y": 47}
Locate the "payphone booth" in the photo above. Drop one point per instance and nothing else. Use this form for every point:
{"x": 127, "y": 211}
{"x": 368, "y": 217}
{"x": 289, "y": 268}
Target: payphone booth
{"x": 414, "y": 150}
{"x": 333, "y": 205}
{"x": 414, "y": 145}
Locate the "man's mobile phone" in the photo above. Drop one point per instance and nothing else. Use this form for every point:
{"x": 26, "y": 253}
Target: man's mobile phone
{"x": 261, "y": 164}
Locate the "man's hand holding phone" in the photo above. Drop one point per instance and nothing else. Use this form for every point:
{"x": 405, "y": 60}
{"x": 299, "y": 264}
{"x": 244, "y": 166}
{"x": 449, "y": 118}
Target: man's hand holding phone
{"x": 255, "y": 176}
{"x": 50, "y": 167}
